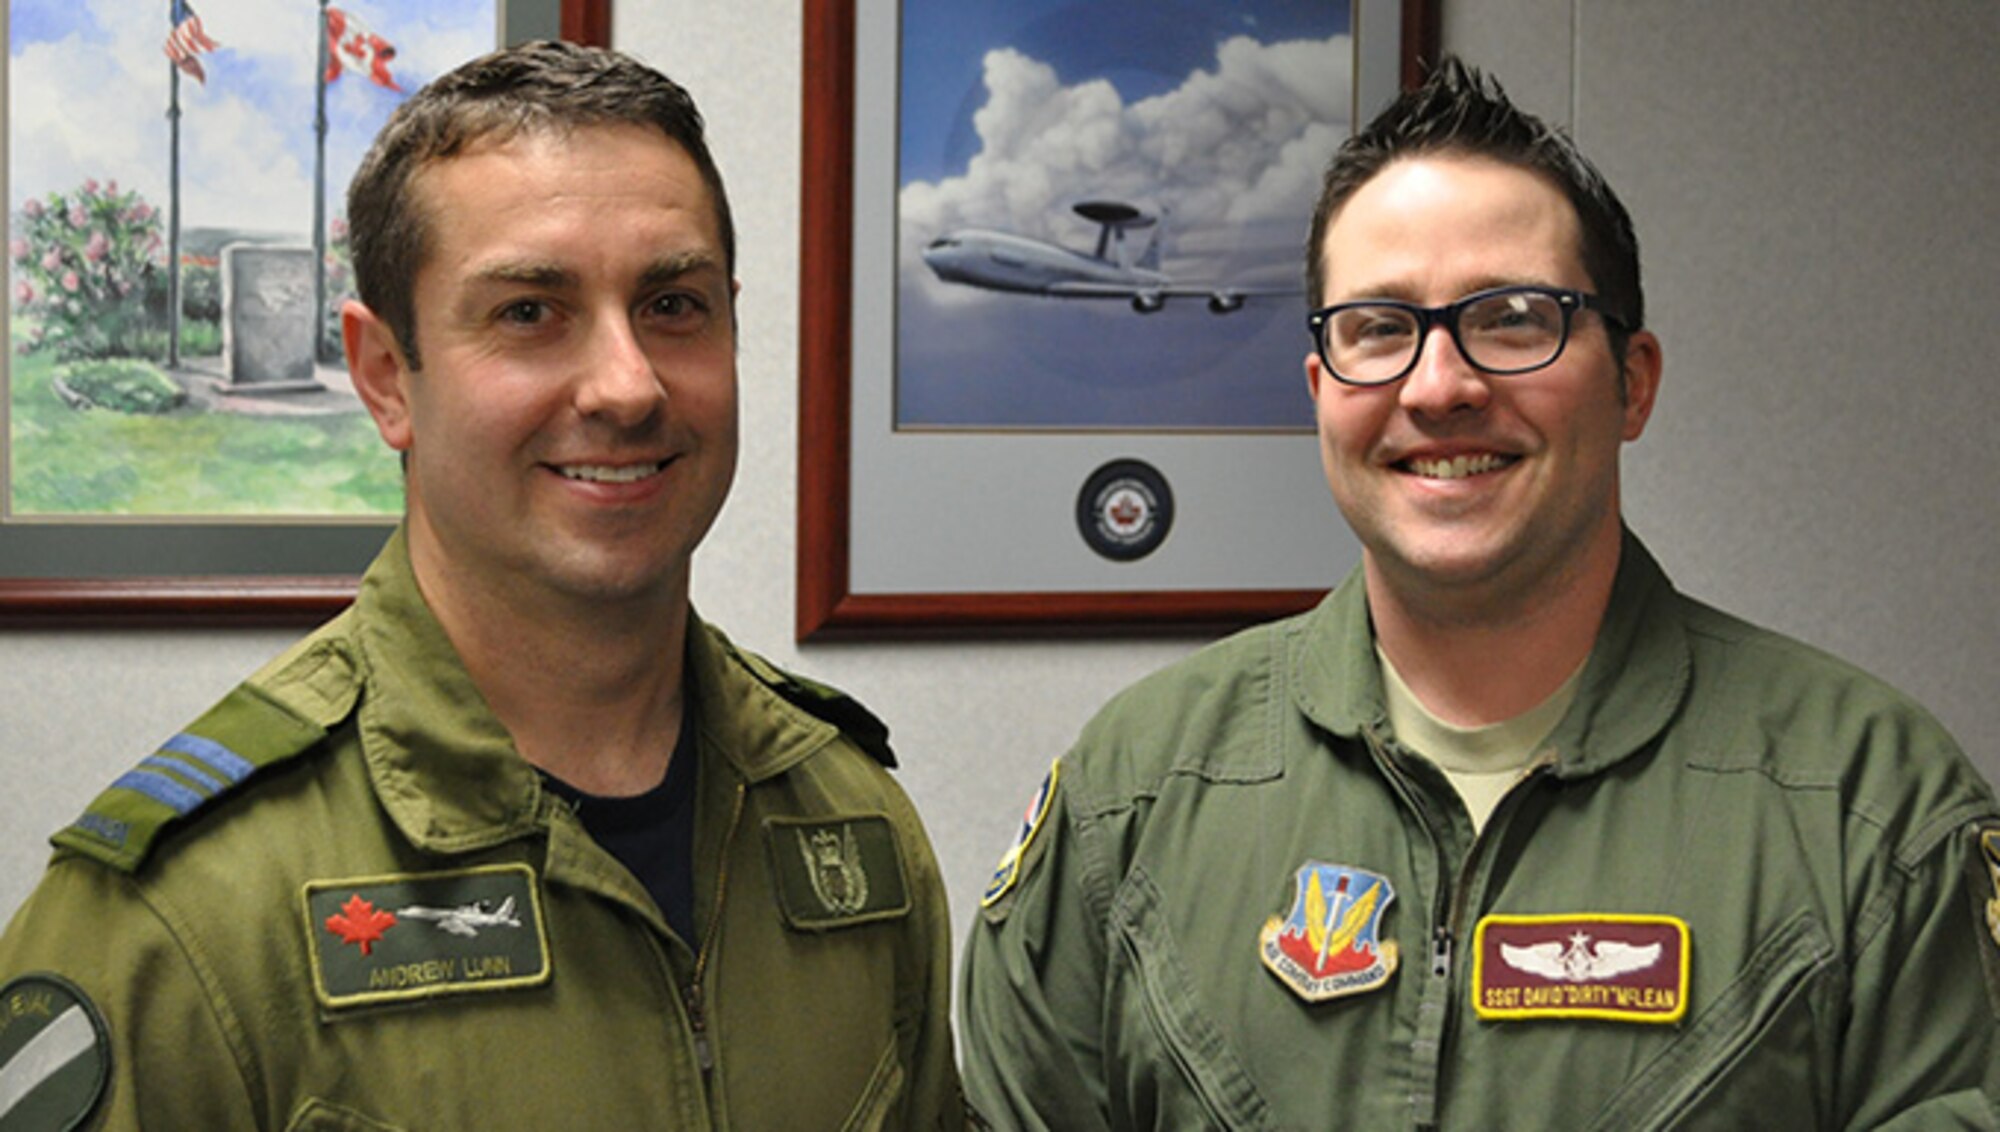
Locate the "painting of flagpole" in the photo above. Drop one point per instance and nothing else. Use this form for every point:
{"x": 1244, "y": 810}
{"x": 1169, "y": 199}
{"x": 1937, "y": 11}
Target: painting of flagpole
{"x": 177, "y": 250}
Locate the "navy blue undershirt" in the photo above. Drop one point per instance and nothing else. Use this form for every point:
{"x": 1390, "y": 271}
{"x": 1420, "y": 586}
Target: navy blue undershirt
{"x": 651, "y": 834}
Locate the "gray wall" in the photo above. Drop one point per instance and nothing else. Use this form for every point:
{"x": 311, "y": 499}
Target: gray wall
{"x": 1815, "y": 188}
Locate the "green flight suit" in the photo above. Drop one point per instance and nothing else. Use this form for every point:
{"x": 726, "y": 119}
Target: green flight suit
{"x": 1819, "y": 836}
{"x": 322, "y": 944}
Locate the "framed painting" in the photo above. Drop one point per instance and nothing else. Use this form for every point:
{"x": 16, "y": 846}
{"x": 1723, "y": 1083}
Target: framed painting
{"x": 182, "y": 444}
{"x": 1052, "y": 321}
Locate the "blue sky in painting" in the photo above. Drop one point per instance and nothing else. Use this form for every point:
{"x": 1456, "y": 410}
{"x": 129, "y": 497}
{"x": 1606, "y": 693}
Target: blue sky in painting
{"x": 88, "y": 96}
{"x": 1143, "y": 47}
{"x": 1220, "y": 115}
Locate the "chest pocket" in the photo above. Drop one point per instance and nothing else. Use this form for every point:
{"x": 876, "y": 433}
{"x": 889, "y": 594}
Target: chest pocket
{"x": 1744, "y": 1057}
{"x": 878, "y": 1101}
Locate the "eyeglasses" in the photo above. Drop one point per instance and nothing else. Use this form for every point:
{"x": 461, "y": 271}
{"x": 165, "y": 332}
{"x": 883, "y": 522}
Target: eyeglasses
{"x": 1504, "y": 330}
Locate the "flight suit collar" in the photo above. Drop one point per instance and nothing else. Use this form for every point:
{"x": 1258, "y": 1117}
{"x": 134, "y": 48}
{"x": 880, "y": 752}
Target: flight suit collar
{"x": 446, "y": 769}
{"x": 443, "y": 765}
{"x": 741, "y": 715}
{"x": 1638, "y": 673}
{"x": 1634, "y": 681}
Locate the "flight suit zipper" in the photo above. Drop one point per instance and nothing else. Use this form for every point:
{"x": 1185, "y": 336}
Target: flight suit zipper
{"x": 692, "y": 997}
{"x": 1448, "y": 909}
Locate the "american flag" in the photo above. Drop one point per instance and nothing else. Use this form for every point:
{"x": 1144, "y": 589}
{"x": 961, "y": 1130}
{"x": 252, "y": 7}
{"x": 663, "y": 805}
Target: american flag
{"x": 187, "y": 40}
{"x": 354, "y": 46}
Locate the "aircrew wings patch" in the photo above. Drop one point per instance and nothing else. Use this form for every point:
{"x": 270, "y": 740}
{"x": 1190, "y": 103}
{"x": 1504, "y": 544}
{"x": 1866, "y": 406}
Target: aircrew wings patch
{"x": 1614, "y": 968}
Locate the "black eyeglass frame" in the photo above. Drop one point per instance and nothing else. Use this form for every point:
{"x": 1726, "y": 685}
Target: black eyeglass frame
{"x": 1567, "y": 300}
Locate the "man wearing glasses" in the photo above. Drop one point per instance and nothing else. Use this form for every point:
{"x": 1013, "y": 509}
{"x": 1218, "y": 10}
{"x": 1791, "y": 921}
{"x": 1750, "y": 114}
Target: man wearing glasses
{"x": 1506, "y": 832}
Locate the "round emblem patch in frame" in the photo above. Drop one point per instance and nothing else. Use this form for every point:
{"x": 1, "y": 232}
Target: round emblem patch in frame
{"x": 1125, "y": 510}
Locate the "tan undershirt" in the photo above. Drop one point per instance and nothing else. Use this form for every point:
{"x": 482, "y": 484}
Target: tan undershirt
{"x": 1482, "y": 763}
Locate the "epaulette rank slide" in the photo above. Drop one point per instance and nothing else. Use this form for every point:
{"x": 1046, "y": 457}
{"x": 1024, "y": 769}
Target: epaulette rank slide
{"x": 215, "y": 756}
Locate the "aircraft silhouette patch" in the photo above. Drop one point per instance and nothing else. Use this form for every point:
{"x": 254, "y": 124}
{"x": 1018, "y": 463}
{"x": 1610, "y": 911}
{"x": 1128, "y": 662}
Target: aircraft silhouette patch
{"x": 421, "y": 935}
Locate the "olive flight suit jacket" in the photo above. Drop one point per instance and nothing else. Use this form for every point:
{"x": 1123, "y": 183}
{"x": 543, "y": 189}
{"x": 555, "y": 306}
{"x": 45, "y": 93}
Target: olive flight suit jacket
{"x": 342, "y": 900}
{"x": 1743, "y": 886}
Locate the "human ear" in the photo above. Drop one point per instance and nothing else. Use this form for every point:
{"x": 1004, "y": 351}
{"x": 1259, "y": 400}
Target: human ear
{"x": 1642, "y": 366}
{"x": 381, "y": 378}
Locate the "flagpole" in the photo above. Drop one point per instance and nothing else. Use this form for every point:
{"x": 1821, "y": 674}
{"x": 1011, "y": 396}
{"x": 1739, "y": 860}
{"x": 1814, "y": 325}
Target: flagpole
{"x": 173, "y": 206}
{"x": 319, "y": 192}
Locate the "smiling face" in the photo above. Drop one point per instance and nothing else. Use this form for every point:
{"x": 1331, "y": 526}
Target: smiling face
{"x": 572, "y": 434}
{"x": 1488, "y": 491}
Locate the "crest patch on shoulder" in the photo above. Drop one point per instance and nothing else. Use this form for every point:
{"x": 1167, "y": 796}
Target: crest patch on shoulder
{"x": 1010, "y": 869}
{"x": 1982, "y": 866}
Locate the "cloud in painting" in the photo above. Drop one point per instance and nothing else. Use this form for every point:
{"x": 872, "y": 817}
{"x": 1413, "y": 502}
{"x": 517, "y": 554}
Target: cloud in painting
{"x": 1233, "y": 151}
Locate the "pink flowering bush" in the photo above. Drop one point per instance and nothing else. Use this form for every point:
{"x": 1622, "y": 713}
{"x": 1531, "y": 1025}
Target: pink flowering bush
{"x": 339, "y": 284}
{"x": 89, "y": 268}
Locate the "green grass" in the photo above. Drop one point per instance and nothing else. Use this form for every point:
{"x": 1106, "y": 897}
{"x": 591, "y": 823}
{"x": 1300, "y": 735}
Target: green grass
{"x": 188, "y": 462}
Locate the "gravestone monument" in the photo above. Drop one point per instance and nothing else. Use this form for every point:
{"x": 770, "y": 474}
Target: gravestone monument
{"x": 270, "y": 319}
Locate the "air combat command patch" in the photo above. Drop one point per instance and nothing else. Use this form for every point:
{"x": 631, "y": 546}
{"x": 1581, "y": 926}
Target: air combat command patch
{"x": 1331, "y": 943}
{"x": 55, "y": 1058}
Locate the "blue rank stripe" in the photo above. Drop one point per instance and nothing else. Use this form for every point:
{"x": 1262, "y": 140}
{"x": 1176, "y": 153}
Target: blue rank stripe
{"x": 205, "y": 784}
{"x": 171, "y": 793}
{"x": 218, "y": 758}
{"x": 166, "y": 780}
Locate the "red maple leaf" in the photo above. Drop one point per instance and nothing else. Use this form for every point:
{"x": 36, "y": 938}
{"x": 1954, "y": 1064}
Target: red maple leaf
{"x": 360, "y": 924}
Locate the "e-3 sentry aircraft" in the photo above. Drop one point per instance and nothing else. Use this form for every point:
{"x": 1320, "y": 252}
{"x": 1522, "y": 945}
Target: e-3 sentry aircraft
{"x": 1007, "y": 261}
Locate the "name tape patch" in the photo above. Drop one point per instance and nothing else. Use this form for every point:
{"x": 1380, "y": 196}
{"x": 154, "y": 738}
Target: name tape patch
{"x": 1611, "y": 967}
{"x": 421, "y": 935}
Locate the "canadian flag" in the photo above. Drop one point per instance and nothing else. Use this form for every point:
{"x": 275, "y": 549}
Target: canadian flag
{"x": 353, "y": 46}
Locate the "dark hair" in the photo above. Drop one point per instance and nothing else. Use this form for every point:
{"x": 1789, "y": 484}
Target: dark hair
{"x": 1458, "y": 110}
{"x": 535, "y": 87}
